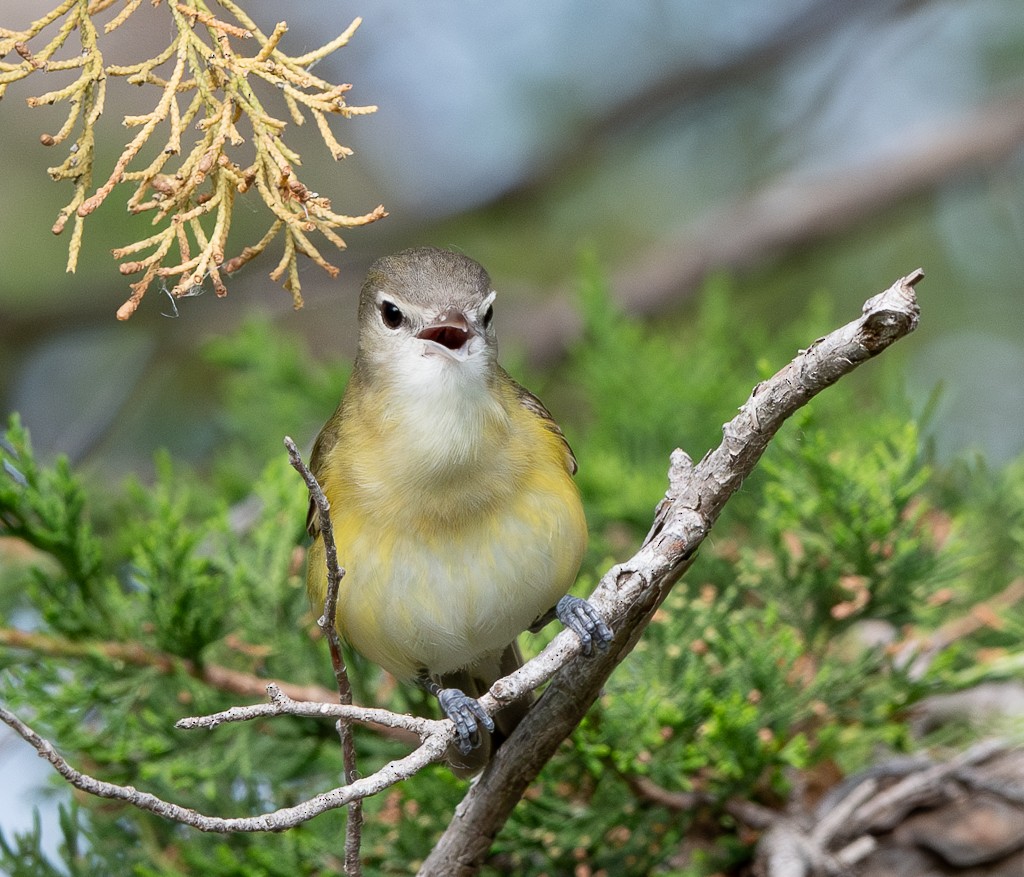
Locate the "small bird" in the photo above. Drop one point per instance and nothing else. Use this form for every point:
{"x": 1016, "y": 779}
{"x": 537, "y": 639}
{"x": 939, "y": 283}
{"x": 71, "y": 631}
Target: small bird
{"x": 454, "y": 511}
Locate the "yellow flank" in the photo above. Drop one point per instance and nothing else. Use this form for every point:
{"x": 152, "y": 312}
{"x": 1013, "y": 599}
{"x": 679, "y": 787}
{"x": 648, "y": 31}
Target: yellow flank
{"x": 455, "y": 516}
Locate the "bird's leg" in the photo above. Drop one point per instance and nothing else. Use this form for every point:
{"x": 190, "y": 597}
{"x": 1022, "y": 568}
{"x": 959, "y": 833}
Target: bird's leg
{"x": 464, "y": 711}
{"x": 542, "y": 621}
{"x": 585, "y": 621}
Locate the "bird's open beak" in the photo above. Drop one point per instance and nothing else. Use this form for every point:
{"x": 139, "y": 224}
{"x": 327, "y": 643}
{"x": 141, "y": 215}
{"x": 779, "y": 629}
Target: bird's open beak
{"x": 453, "y": 334}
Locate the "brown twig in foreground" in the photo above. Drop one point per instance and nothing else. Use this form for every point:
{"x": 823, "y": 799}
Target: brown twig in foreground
{"x": 138, "y": 655}
{"x": 216, "y": 676}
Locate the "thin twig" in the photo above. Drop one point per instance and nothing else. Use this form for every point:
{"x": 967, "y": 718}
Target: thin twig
{"x": 354, "y": 823}
{"x": 432, "y": 750}
{"x": 748, "y": 812}
{"x": 281, "y": 704}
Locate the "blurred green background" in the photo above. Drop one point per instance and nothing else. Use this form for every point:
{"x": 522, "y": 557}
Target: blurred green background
{"x": 804, "y": 147}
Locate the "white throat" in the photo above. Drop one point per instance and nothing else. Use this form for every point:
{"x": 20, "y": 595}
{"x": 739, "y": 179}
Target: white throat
{"x": 446, "y": 407}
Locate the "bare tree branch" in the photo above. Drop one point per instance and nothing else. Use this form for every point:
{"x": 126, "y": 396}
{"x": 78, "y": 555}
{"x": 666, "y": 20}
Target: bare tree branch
{"x": 432, "y": 750}
{"x": 281, "y": 704}
{"x": 629, "y": 593}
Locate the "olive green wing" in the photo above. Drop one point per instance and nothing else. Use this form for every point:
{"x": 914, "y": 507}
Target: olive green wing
{"x": 325, "y": 441}
{"x": 532, "y": 404}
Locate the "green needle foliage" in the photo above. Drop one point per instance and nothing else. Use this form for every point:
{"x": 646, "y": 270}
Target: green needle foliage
{"x": 119, "y": 611}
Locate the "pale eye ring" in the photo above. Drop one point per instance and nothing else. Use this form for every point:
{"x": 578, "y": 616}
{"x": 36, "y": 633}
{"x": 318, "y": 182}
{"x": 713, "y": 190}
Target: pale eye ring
{"x": 488, "y": 316}
{"x": 390, "y": 314}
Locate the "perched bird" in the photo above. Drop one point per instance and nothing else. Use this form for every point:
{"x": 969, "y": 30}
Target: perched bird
{"x": 452, "y": 501}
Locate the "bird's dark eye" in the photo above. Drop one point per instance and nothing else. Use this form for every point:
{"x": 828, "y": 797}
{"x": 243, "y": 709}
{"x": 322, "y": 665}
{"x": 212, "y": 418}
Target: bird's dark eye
{"x": 390, "y": 314}
{"x": 488, "y": 316}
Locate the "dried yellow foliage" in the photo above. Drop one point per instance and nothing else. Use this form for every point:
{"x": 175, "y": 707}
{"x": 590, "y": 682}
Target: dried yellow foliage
{"x": 207, "y": 110}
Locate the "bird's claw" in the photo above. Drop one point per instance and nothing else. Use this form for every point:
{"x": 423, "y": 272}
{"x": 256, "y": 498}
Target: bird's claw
{"x": 585, "y": 621}
{"x": 467, "y": 715}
